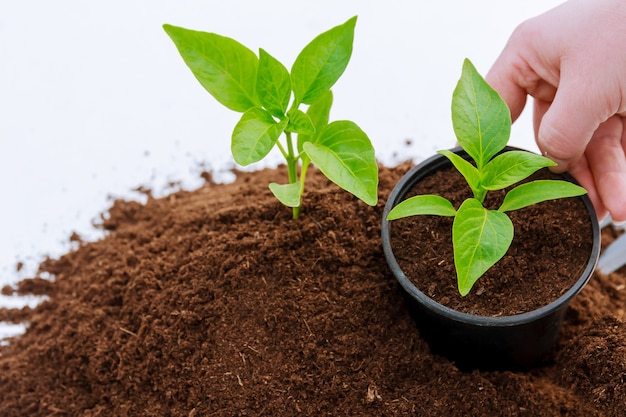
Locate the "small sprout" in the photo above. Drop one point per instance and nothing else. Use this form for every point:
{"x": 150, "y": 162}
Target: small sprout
{"x": 482, "y": 124}
{"x": 270, "y": 98}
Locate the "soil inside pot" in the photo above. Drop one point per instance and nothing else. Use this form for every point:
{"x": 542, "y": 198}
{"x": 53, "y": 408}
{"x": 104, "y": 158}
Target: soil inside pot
{"x": 550, "y": 250}
{"x": 215, "y": 303}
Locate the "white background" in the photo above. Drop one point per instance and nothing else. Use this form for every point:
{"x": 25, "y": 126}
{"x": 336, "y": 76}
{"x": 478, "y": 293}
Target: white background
{"x": 95, "y": 100}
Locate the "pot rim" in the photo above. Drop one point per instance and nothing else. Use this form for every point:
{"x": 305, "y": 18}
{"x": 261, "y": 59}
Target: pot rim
{"x": 439, "y": 161}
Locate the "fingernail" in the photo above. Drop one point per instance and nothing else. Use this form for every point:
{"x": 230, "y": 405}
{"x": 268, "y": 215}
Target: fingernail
{"x": 561, "y": 166}
{"x": 620, "y": 223}
{"x": 606, "y": 221}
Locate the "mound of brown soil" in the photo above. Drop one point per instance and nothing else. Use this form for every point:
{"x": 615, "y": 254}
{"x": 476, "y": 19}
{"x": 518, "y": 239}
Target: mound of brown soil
{"x": 215, "y": 303}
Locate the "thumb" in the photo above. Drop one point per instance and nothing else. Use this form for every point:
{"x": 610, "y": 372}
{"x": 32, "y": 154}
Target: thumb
{"x": 568, "y": 124}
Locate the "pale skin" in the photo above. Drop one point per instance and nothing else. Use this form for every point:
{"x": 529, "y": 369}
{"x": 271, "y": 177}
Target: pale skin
{"x": 572, "y": 61}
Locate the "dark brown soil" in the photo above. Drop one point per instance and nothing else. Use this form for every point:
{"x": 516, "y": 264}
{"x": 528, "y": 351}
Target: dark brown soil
{"x": 216, "y": 303}
{"x": 549, "y": 252}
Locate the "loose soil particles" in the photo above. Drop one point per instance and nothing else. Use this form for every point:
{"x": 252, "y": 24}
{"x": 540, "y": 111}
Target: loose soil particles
{"x": 215, "y": 303}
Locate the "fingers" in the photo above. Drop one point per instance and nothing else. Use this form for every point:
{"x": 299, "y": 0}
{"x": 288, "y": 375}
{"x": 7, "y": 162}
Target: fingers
{"x": 570, "y": 121}
{"x": 580, "y": 170}
{"x": 502, "y": 78}
{"x": 519, "y": 71}
{"x": 603, "y": 158}
{"x": 607, "y": 161}
{"x": 580, "y": 124}
{"x": 602, "y": 167}
{"x": 540, "y": 108}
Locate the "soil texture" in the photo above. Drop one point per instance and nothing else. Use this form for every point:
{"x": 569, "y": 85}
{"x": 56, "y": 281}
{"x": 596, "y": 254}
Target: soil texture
{"x": 216, "y": 303}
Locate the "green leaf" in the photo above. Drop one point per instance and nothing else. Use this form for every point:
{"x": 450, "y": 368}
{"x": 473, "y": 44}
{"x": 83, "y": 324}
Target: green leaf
{"x": 299, "y": 122}
{"x": 319, "y": 113}
{"x": 481, "y": 119}
{"x": 469, "y": 171}
{"x": 223, "y": 66}
{"x": 288, "y": 194}
{"x": 255, "y": 135}
{"x": 511, "y": 167}
{"x": 480, "y": 238}
{"x": 537, "y": 191}
{"x": 344, "y": 153}
{"x": 273, "y": 84}
{"x": 321, "y": 62}
{"x": 422, "y": 205}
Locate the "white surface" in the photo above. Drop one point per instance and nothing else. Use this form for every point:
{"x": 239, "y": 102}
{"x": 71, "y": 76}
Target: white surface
{"x": 95, "y": 100}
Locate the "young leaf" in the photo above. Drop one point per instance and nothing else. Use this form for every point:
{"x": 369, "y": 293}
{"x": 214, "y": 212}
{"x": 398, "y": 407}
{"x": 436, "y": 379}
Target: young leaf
{"x": 537, "y": 191}
{"x": 321, "y": 62}
{"x": 273, "y": 84}
{"x": 481, "y": 119}
{"x": 480, "y": 238}
{"x": 319, "y": 113}
{"x": 345, "y": 155}
{"x": 255, "y": 135}
{"x": 299, "y": 122}
{"x": 511, "y": 167}
{"x": 469, "y": 171}
{"x": 223, "y": 66}
{"x": 287, "y": 194}
{"x": 422, "y": 205}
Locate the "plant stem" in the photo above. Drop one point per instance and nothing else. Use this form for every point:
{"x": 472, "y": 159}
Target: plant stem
{"x": 291, "y": 160}
{"x": 295, "y": 212}
{"x": 480, "y": 195}
{"x": 282, "y": 150}
{"x": 305, "y": 166}
{"x": 292, "y": 169}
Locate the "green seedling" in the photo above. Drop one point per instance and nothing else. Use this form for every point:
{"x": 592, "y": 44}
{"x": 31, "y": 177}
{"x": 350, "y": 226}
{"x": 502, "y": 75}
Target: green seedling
{"x": 482, "y": 124}
{"x": 296, "y": 103}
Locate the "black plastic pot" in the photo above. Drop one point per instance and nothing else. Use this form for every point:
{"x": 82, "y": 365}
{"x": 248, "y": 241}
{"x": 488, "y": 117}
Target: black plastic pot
{"x": 479, "y": 342}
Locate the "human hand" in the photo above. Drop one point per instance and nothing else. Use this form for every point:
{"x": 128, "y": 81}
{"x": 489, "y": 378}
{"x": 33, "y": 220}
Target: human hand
{"x": 572, "y": 61}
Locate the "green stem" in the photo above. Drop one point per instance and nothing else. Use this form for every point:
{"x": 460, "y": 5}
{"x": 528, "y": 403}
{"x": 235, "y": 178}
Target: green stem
{"x": 292, "y": 169}
{"x": 305, "y": 166}
{"x": 480, "y": 195}
{"x": 295, "y": 212}
{"x": 291, "y": 160}
{"x": 282, "y": 150}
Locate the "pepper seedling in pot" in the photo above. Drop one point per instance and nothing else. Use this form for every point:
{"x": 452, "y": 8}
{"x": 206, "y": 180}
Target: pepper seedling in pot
{"x": 482, "y": 125}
